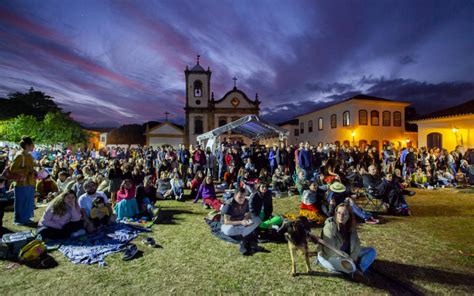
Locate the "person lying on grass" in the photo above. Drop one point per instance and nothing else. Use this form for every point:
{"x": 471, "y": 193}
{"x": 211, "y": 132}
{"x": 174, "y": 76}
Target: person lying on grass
{"x": 237, "y": 220}
{"x": 85, "y": 202}
{"x": 62, "y": 218}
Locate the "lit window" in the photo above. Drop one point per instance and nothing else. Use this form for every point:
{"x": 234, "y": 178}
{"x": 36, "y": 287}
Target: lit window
{"x": 397, "y": 118}
{"x": 346, "y": 118}
{"x": 320, "y": 123}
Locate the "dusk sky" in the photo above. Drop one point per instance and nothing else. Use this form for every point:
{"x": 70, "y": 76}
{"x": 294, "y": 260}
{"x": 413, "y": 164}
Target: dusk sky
{"x": 123, "y": 61}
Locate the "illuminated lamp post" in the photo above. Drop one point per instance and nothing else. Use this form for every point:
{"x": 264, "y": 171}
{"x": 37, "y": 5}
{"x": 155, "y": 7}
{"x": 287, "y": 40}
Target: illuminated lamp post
{"x": 353, "y": 138}
{"x": 455, "y": 132}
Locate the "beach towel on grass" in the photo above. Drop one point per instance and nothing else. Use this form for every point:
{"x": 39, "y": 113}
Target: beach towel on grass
{"x": 215, "y": 227}
{"x": 95, "y": 247}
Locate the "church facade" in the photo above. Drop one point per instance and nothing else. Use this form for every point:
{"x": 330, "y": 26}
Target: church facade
{"x": 204, "y": 112}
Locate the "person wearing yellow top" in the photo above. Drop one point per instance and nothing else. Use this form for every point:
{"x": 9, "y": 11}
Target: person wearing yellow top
{"x": 100, "y": 213}
{"x": 23, "y": 166}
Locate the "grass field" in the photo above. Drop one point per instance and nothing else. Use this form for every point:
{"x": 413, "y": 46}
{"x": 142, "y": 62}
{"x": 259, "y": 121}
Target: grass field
{"x": 416, "y": 255}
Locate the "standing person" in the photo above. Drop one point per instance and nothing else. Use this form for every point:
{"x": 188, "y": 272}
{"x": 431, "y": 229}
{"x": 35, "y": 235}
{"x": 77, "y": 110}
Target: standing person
{"x": 115, "y": 177}
{"x": 221, "y": 153}
{"x": 210, "y": 162}
{"x": 272, "y": 159}
{"x": 282, "y": 156}
{"x": 199, "y": 159}
{"x": 23, "y": 167}
{"x": 305, "y": 160}
{"x": 183, "y": 159}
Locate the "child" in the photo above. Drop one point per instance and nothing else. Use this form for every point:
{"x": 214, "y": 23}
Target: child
{"x": 99, "y": 213}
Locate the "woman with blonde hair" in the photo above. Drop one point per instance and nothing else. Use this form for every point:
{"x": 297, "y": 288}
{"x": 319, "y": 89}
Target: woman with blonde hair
{"x": 62, "y": 218}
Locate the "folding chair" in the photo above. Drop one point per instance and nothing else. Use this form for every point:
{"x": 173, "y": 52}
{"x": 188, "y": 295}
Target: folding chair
{"x": 370, "y": 200}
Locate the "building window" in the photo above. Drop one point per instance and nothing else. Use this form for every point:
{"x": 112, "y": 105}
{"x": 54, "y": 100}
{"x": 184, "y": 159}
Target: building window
{"x": 198, "y": 125}
{"x": 386, "y": 118}
{"x": 346, "y": 118}
{"x": 397, "y": 118}
{"x": 297, "y": 132}
{"x": 362, "y": 117}
{"x": 434, "y": 140}
{"x": 310, "y": 126}
{"x": 102, "y": 139}
{"x": 333, "y": 121}
{"x": 374, "y": 117}
{"x": 301, "y": 127}
{"x": 198, "y": 88}
{"x": 222, "y": 121}
{"x": 320, "y": 123}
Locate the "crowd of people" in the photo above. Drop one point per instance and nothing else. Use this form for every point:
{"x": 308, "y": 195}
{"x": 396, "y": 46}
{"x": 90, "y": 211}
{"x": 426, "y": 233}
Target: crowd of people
{"x": 85, "y": 190}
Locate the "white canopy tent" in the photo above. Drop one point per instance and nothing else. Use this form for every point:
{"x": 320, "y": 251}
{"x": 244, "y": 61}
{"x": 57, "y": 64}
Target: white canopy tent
{"x": 250, "y": 126}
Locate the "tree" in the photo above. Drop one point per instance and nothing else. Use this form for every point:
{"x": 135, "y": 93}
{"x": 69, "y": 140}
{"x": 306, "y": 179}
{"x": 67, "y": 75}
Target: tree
{"x": 12, "y": 130}
{"x": 35, "y": 103}
{"x": 127, "y": 134}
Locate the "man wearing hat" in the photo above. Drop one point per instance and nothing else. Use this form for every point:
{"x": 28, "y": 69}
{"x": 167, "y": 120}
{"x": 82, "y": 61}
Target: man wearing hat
{"x": 338, "y": 194}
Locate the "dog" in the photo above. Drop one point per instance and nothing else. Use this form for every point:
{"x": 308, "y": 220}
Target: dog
{"x": 297, "y": 233}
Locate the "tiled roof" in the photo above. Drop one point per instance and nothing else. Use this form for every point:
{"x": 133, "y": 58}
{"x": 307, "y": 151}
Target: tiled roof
{"x": 462, "y": 109}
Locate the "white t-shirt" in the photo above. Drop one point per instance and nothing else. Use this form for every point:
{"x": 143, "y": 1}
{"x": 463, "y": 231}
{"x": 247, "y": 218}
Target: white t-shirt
{"x": 85, "y": 201}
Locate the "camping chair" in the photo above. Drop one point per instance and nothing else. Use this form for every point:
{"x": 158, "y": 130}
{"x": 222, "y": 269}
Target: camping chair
{"x": 370, "y": 200}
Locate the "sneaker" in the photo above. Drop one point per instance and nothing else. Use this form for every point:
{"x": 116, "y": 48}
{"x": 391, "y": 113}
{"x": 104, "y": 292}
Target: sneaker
{"x": 155, "y": 211}
{"x": 245, "y": 248}
{"x": 78, "y": 233}
{"x": 149, "y": 241}
{"x": 372, "y": 221}
{"x": 130, "y": 252}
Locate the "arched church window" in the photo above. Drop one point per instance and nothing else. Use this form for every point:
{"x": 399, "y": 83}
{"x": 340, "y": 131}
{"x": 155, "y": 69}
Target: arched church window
{"x": 198, "y": 88}
{"x": 198, "y": 125}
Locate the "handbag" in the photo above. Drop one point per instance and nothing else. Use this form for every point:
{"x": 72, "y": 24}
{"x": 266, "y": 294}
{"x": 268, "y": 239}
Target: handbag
{"x": 11, "y": 176}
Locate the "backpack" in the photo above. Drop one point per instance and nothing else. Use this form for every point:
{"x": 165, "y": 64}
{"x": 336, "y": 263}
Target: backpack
{"x": 32, "y": 251}
{"x": 12, "y": 244}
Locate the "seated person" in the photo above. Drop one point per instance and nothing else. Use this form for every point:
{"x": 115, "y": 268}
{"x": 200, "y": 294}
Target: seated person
{"x": 62, "y": 218}
{"x": 238, "y": 221}
{"x": 230, "y": 179}
{"x": 419, "y": 179}
{"x": 100, "y": 214}
{"x": 146, "y": 197}
{"x": 208, "y": 194}
{"x": 248, "y": 183}
{"x": 302, "y": 183}
{"x": 78, "y": 186}
{"x": 261, "y": 205}
{"x": 126, "y": 206}
{"x": 85, "y": 202}
{"x": 392, "y": 195}
{"x": 163, "y": 186}
{"x": 46, "y": 189}
{"x": 250, "y": 167}
{"x": 468, "y": 171}
{"x": 196, "y": 184}
{"x": 310, "y": 200}
{"x": 264, "y": 178}
{"x": 397, "y": 177}
{"x": 280, "y": 181}
{"x": 338, "y": 194}
{"x": 340, "y": 233}
{"x": 177, "y": 187}
{"x": 63, "y": 181}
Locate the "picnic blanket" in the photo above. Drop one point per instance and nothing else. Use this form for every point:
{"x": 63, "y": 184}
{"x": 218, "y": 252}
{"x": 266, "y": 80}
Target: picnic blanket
{"x": 95, "y": 247}
{"x": 215, "y": 227}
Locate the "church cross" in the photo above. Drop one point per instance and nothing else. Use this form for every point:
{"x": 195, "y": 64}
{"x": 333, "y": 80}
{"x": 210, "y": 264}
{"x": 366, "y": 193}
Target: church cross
{"x": 235, "y": 81}
{"x": 166, "y": 114}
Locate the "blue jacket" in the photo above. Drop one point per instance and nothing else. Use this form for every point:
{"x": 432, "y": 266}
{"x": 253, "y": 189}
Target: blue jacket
{"x": 304, "y": 159}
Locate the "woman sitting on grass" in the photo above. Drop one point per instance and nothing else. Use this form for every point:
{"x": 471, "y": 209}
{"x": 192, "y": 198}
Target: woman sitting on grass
{"x": 126, "y": 206}
{"x": 62, "y": 218}
{"x": 340, "y": 234}
{"x": 208, "y": 194}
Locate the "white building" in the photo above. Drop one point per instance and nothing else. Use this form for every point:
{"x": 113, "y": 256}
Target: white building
{"x": 358, "y": 121}
{"x": 204, "y": 113}
{"x": 165, "y": 133}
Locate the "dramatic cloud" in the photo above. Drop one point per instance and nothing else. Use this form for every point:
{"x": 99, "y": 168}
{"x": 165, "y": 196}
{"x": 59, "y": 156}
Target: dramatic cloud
{"x": 123, "y": 61}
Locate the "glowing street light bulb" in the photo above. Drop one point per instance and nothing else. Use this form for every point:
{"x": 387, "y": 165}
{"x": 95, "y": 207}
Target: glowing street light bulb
{"x": 455, "y": 130}
{"x": 353, "y": 134}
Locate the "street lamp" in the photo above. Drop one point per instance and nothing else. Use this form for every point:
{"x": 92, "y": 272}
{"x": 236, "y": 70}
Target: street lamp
{"x": 353, "y": 138}
{"x": 455, "y": 131}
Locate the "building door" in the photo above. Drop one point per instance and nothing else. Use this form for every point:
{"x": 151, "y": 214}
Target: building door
{"x": 434, "y": 140}
{"x": 375, "y": 144}
{"x": 362, "y": 144}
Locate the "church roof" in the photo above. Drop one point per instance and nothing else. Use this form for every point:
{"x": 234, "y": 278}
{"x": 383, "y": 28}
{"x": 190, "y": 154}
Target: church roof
{"x": 462, "y": 109}
{"x": 235, "y": 89}
{"x": 197, "y": 68}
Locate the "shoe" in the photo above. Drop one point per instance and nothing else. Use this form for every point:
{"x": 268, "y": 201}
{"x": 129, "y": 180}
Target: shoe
{"x": 130, "y": 252}
{"x": 78, "y": 233}
{"x": 155, "y": 211}
{"x": 245, "y": 248}
{"x": 372, "y": 221}
{"x": 149, "y": 241}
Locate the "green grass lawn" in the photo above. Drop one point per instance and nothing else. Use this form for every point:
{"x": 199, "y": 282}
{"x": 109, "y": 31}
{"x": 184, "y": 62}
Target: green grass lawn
{"x": 416, "y": 254}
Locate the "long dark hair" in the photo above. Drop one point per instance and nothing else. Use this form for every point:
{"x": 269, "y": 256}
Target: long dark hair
{"x": 351, "y": 223}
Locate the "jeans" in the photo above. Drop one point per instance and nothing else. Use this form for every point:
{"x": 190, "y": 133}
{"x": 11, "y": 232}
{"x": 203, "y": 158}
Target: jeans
{"x": 24, "y": 204}
{"x": 366, "y": 258}
{"x": 65, "y": 232}
{"x": 221, "y": 171}
{"x": 358, "y": 211}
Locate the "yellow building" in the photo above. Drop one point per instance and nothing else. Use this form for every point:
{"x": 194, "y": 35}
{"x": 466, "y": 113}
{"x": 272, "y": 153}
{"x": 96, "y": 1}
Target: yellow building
{"x": 447, "y": 128}
{"x": 358, "y": 121}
